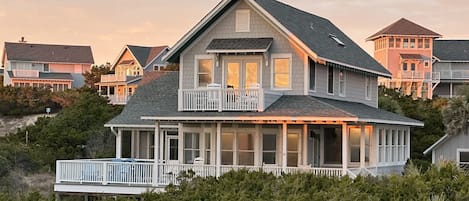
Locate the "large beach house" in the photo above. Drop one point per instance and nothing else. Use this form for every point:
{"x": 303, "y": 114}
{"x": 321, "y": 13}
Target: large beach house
{"x": 263, "y": 86}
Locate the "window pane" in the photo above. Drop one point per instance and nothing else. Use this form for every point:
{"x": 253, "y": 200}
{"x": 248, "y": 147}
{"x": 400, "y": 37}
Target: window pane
{"x": 207, "y": 141}
{"x": 227, "y": 158}
{"x": 204, "y": 80}
{"x": 233, "y": 75}
{"x": 282, "y": 65}
{"x": 187, "y": 140}
{"x": 173, "y": 149}
{"x": 292, "y": 159}
{"x": 282, "y": 81}
{"x": 355, "y": 144}
{"x": 227, "y": 141}
{"x": 251, "y": 74}
{"x": 330, "y": 80}
{"x": 312, "y": 74}
{"x": 333, "y": 142}
{"x": 464, "y": 157}
{"x": 269, "y": 142}
{"x": 245, "y": 141}
{"x": 268, "y": 157}
{"x": 205, "y": 72}
{"x": 281, "y": 73}
{"x": 246, "y": 158}
{"x": 292, "y": 142}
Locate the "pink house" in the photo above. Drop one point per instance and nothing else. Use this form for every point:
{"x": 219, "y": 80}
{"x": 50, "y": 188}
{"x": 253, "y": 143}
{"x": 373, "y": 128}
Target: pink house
{"x": 58, "y": 67}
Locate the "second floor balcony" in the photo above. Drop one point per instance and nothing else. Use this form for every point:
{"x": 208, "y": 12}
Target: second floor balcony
{"x": 221, "y": 99}
{"x": 26, "y": 73}
{"x": 454, "y": 74}
{"x": 416, "y": 75}
{"x": 113, "y": 78}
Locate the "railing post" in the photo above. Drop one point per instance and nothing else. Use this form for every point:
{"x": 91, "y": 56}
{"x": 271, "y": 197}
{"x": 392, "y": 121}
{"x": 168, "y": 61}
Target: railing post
{"x": 58, "y": 171}
{"x": 104, "y": 173}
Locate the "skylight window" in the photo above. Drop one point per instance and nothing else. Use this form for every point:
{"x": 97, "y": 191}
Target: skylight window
{"x": 337, "y": 40}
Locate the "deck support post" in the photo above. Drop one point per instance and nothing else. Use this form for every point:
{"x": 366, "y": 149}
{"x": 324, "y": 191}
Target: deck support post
{"x": 218, "y": 151}
{"x": 284, "y": 147}
{"x": 119, "y": 143}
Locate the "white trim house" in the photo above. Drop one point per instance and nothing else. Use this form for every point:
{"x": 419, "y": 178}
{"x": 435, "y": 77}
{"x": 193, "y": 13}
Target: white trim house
{"x": 242, "y": 99}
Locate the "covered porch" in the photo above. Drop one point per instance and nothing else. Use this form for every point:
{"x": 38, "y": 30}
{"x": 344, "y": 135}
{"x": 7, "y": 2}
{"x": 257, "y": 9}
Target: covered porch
{"x": 214, "y": 148}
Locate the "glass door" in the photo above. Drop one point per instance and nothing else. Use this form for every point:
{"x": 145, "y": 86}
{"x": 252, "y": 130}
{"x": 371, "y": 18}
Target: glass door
{"x": 242, "y": 73}
{"x": 172, "y": 148}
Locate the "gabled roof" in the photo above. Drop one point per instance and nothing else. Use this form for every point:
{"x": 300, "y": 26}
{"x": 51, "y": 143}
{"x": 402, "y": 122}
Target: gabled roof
{"x": 158, "y": 98}
{"x": 436, "y": 144}
{"x": 49, "y": 53}
{"x": 145, "y": 55}
{"x": 319, "y": 37}
{"x": 451, "y": 50}
{"x": 404, "y": 27}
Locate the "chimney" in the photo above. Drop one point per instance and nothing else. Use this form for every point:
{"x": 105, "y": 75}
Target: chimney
{"x": 22, "y": 40}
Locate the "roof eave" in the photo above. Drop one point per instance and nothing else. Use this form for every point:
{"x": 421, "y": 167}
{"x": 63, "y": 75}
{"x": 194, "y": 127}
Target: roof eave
{"x": 436, "y": 144}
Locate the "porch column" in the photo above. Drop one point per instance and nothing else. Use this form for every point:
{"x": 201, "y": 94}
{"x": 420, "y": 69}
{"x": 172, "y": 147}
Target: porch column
{"x": 119, "y": 143}
{"x": 451, "y": 90}
{"x": 345, "y": 149}
{"x": 108, "y": 91}
{"x": 284, "y": 146}
{"x": 156, "y": 154}
{"x": 408, "y": 143}
{"x": 218, "y": 151}
{"x": 305, "y": 144}
{"x": 362, "y": 146}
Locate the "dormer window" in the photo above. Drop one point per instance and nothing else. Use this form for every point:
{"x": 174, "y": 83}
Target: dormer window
{"x": 243, "y": 23}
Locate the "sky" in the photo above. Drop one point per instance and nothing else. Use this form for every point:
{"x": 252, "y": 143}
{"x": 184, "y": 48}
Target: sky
{"x": 107, "y": 25}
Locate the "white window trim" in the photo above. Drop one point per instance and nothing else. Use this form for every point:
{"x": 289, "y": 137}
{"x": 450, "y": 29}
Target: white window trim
{"x": 196, "y": 67}
{"x": 243, "y": 11}
{"x": 368, "y": 91}
{"x": 458, "y": 152}
{"x": 343, "y": 94}
{"x": 272, "y": 71}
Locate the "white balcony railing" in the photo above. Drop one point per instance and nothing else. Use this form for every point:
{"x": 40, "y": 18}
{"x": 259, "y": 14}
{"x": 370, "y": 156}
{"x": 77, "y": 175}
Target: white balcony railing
{"x": 26, "y": 73}
{"x": 113, "y": 78}
{"x": 220, "y": 99}
{"x": 118, "y": 99}
{"x": 415, "y": 75}
{"x": 454, "y": 74}
{"x": 140, "y": 172}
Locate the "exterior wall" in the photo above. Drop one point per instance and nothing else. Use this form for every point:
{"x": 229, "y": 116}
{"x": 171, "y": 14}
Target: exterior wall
{"x": 447, "y": 150}
{"x": 225, "y": 28}
{"x": 354, "y": 86}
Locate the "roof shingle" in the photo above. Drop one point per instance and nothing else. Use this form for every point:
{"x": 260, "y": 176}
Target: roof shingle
{"x": 451, "y": 50}
{"x": 404, "y": 27}
{"x": 49, "y": 53}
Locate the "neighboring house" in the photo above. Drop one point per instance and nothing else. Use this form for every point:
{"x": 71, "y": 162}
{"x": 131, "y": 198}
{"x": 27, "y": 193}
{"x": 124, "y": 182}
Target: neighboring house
{"x": 405, "y": 49}
{"x": 262, "y": 86}
{"x": 1, "y": 74}
{"x": 132, "y": 62}
{"x": 57, "y": 67}
{"x": 451, "y": 148}
{"x": 451, "y": 61}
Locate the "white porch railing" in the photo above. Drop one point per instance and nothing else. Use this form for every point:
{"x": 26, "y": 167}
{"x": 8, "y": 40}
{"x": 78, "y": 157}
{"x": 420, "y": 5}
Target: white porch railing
{"x": 118, "y": 100}
{"x": 113, "y": 78}
{"x": 140, "y": 172}
{"x": 26, "y": 73}
{"x": 219, "y": 99}
{"x": 454, "y": 74}
{"x": 464, "y": 165}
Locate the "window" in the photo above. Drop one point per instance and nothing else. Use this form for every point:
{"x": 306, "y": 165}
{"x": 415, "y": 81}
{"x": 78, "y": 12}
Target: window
{"x": 245, "y": 149}
{"x": 412, "y": 43}
{"x": 426, "y": 64}
{"x": 391, "y": 42}
{"x": 207, "y": 148}
{"x": 398, "y": 42}
{"x": 341, "y": 82}
{"x": 404, "y": 66}
{"x": 427, "y": 43}
{"x": 281, "y": 71}
{"x": 46, "y": 67}
{"x": 368, "y": 87}
{"x": 292, "y": 149}
{"x": 204, "y": 67}
{"x": 242, "y": 21}
{"x": 354, "y": 140}
{"x": 191, "y": 147}
{"x": 312, "y": 74}
{"x": 330, "y": 80}
{"x": 420, "y": 43}
{"x": 405, "y": 43}
{"x": 463, "y": 158}
{"x": 269, "y": 148}
{"x": 227, "y": 148}
{"x": 412, "y": 66}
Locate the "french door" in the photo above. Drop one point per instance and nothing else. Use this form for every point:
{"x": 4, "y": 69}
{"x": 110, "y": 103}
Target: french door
{"x": 242, "y": 73}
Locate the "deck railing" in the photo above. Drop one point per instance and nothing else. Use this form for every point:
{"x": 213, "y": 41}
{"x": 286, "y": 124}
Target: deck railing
{"x": 454, "y": 74}
{"x": 220, "y": 99}
{"x": 26, "y": 73}
{"x": 113, "y": 78}
{"x": 118, "y": 100}
{"x": 140, "y": 172}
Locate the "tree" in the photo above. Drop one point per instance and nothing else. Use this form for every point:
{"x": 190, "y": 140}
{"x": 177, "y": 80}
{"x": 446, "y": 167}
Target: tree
{"x": 94, "y": 75}
{"x": 456, "y": 113}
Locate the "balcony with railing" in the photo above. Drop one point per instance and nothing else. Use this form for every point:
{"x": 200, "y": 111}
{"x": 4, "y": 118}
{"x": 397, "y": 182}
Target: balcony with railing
{"x": 417, "y": 76}
{"x": 26, "y": 73}
{"x": 113, "y": 78}
{"x": 118, "y": 99}
{"x": 454, "y": 74}
{"x": 221, "y": 99}
{"x": 140, "y": 174}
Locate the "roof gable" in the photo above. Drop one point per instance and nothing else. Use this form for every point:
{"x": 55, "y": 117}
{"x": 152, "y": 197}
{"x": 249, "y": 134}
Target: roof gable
{"x": 451, "y": 50}
{"x": 404, "y": 27}
{"x": 48, "y": 53}
{"x": 141, "y": 54}
{"x": 318, "y": 36}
